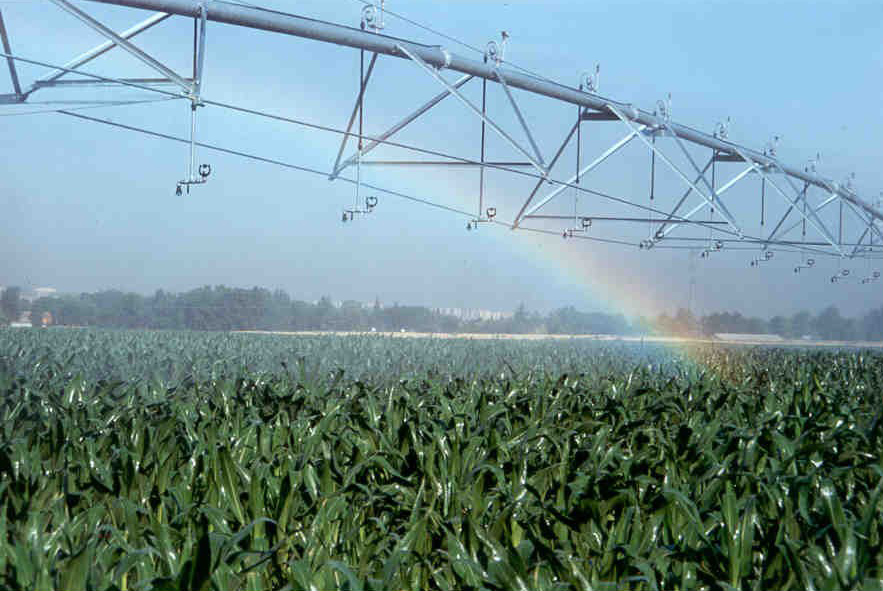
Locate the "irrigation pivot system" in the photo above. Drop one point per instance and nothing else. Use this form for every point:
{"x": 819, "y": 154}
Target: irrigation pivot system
{"x": 802, "y": 214}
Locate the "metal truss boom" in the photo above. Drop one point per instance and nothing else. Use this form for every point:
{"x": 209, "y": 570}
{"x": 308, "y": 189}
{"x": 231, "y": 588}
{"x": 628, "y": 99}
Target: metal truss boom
{"x": 440, "y": 58}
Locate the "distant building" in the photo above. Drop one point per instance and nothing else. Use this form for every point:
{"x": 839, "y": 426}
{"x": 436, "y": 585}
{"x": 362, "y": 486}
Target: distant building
{"x": 472, "y": 314}
{"x": 38, "y": 292}
{"x": 748, "y": 338}
{"x": 24, "y": 321}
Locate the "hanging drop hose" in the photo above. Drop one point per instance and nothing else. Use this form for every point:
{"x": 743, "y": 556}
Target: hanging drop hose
{"x": 361, "y": 128}
{"x": 713, "y": 180}
{"x": 652, "y": 184}
{"x": 762, "y": 201}
{"x": 483, "y": 133}
{"x": 191, "y": 174}
{"x": 579, "y": 129}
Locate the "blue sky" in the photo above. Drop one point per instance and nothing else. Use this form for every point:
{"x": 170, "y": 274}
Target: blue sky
{"x": 91, "y": 207}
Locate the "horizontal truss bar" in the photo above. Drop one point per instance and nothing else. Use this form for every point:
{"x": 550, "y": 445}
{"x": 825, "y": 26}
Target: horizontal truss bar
{"x": 123, "y": 81}
{"x": 440, "y": 163}
{"x": 620, "y": 219}
{"x": 761, "y": 242}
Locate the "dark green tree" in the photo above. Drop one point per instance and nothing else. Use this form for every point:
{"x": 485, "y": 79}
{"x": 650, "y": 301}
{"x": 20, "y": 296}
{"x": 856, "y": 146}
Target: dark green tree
{"x": 10, "y": 303}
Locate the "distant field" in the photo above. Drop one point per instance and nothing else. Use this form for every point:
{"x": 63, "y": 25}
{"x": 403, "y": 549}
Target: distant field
{"x": 167, "y": 460}
{"x": 589, "y": 337}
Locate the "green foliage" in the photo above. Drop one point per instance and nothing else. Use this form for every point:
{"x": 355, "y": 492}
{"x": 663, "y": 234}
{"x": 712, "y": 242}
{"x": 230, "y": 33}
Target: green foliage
{"x": 10, "y": 303}
{"x": 207, "y": 461}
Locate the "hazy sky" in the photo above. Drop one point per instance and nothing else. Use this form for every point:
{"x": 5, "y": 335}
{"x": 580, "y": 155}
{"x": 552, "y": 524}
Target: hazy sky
{"x": 86, "y": 207}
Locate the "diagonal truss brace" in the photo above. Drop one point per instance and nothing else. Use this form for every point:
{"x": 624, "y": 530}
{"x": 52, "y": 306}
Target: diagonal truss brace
{"x": 662, "y": 233}
{"x": 869, "y": 221}
{"x": 800, "y": 197}
{"x": 124, "y": 44}
{"x": 438, "y": 77}
{"x": 810, "y": 216}
{"x": 871, "y": 225}
{"x": 714, "y": 194}
{"x": 99, "y": 50}
{"x": 543, "y": 180}
{"x": 521, "y": 119}
{"x": 13, "y": 73}
{"x": 683, "y": 198}
{"x": 720, "y": 206}
{"x": 399, "y": 126}
{"x": 363, "y": 86}
{"x": 587, "y": 169}
{"x": 861, "y": 239}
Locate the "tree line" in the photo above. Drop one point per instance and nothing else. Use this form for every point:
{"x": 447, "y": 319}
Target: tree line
{"x": 227, "y": 308}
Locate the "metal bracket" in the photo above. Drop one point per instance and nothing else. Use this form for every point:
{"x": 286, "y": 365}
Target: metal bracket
{"x": 372, "y": 18}
{"x": 765, "y": 258}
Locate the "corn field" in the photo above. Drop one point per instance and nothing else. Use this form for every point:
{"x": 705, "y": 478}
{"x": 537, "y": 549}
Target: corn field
{"x": 139, "y": 460}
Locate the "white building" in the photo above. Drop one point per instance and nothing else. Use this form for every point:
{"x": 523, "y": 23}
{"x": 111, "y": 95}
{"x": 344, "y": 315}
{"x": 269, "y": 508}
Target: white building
{"x": 473, "y": 314}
